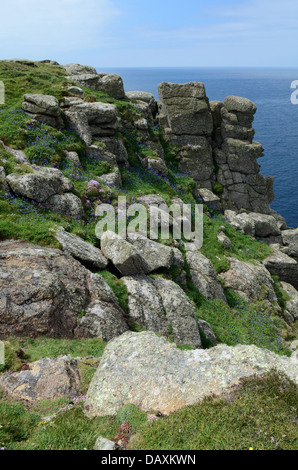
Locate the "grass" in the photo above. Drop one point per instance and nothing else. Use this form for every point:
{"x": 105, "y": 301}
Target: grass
{"x": 259, "y": 414}
{"x": 118, "y": 287}
{"x": 23, "y": 350}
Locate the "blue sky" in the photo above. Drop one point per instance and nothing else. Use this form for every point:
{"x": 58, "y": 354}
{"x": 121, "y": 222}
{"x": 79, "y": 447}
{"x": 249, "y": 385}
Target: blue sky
{"x": 131, "y": 33}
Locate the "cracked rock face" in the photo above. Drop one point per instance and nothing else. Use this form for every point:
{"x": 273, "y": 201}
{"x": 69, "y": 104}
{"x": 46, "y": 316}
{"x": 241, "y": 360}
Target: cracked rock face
{"x": 44, "y": 293}
{"x": 251, "y": 281}
{"x": 161, "y": 306}
{"x": 43, "y": 108}
{"x": 204, "y": 276}
{"x": 151, "y": 373}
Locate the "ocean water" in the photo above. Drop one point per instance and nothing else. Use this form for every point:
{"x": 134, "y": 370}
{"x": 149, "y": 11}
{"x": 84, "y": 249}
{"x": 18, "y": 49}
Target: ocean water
{"x": 276, "y": 121}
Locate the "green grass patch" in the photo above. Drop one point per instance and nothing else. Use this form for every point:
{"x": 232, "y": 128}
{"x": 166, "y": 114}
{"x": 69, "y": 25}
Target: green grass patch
{"x": 118, "y": 287}
{"x": 24, "y": 350}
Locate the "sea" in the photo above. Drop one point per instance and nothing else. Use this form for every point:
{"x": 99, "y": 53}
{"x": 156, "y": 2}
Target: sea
{"x": 276, "y": 121}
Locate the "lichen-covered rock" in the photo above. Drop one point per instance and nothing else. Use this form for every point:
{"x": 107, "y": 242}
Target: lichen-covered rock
{"x": 67, "y": 204}
{"x": 180, "y": 313}
{"x": 143, "y": 96}
{"x": 290, "y": 240}
{"x": 116, "y": 146}
{"x": 156, "y": 255}
{"x": 238, "y": 104}
{"x": 98, "y": 153}
{"x": 145, "y": 304}
{"x": 43, "y": 108}
{"x": 203, "y": 276}
{"x": 292, "y": 304}
{"x": 184, "y": 111}
{"x": 240, "y": 222}
{"x": 39, "y": 185}
{"x": 251, "y": 281}
{"x": 111, "y": 84}
{"x": 78, "y": 122}
{"x": 77, "y": 69}
{"x": 47, "y": 379}
{"x": 112, "y": 179}
{"x": 209, "y": 198}
{"x": 160, "y": 305}
{"x": 81, "y": 250}
{"x": 151, "y": 373}
{"x": 76, "y": 91}
{"x": 197, "y": 161}
{"x": 207, "y": 331}
{"x": 104, "y": 444}
{"x": 44, "y": 292}
{"x": 283, "y": 266}
{"x": 125, "y": 257}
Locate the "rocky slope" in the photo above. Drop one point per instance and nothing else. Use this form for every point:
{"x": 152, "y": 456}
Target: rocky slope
{"x": 75, "y": 140}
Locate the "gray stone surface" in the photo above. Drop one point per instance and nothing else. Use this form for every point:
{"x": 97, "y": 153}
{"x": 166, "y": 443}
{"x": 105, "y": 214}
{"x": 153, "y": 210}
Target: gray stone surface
{"x": 292, "y": 304}
{"x": 251, "y": 281}
{"x": 104, "y": 444}
{"x": 203, "y": 276}
{"x": 77, "y": 69}
{"x": 283, "y": 266}
{"x": 47, "y": 379}
{"x": 151, "y": 373}
{"x": 290, "y": 240}
{"x": 156, "y": 255}
{"x": 67, "y": 204}
{"x": 81, "y": 250}
{"x": 39, "y": 185}
{"x": 43, "y": 108}
{"x": 44, "y": 293}
{"x": 125, "y": 257}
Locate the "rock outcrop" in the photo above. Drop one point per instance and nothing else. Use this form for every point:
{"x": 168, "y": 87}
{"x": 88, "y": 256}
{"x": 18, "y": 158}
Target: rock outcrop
{"x": 43, "y": 108}
{"x": 203, "y": 276}
{"x": 251, "y": 281}
{"x": 152, "y": 374}
{"x": 160, "y": 305}
{"x": 49, "y": 187}
{"x": 81, "y": 250}
{"x": 47, "y": 293}
{"x": 84, "y": 75}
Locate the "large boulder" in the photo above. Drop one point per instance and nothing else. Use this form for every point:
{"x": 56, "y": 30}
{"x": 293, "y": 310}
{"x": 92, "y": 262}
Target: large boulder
{"x": 125, "y": 257}
{"x": 203, "y": 276}
{"x": 151, "y": 373}
{"x": 43, "y": 108}
{"x": 93, "y": 119}
{"x": 145, "y": 304}
{"x": 46, "y": 379}
{"x": 66, "y": 204}
{"x": 81, "y": 250}
{"x": 47, "y": 293}
{"x": 180, "y": 313}
{"x": 251, "y": 281}
{"x": 161, "y": 306}
{"x": 184, "y": 110}
{"x": 41, "y": 184}
{"x": 111, "y": 84}
{"x": 283, "y": 266}
{"x": 77, "y": 69}
{"x": 143, "y": 97}
{"x": 156, "y": 255}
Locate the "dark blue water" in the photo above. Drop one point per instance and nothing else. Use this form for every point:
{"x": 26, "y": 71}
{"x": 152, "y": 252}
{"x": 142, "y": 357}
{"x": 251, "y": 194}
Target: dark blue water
{"x": 276, "y": 121}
